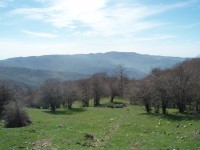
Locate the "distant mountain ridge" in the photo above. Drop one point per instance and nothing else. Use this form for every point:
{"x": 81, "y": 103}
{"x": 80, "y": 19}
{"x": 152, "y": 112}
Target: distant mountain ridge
{"x": 34, "y": 78}
{"x": 82, "y": 65}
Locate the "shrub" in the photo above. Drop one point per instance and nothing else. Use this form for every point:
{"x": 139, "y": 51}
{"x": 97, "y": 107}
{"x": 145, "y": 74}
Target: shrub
{"x": 15, "y": 115}
{"x": 5, "y": 95}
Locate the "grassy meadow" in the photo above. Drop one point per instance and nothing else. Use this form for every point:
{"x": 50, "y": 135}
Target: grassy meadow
{"x": 128, "y": 128}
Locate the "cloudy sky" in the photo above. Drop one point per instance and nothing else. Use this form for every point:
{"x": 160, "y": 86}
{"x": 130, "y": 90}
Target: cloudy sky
{"x": 155, "y": 27}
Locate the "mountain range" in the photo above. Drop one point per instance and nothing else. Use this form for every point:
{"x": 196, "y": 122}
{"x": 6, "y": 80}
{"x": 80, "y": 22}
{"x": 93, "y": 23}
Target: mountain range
{"x": 34, "y": 70}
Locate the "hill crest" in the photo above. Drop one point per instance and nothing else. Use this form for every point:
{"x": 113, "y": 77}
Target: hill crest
{"x": 137, "y": 65}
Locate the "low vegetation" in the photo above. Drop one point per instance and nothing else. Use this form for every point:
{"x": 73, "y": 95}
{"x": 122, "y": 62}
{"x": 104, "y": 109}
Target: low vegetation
{"x": 15, "y": 115}
{"x": 11, "y": 109}
{"x": 104, "y": 128}
{"x": 66, "y": 119}
{"x": 177, "y": 87}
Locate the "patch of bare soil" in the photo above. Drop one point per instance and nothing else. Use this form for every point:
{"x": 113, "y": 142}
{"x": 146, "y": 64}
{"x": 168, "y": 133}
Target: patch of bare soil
{"x": 89, "y": 140}
{"x": 43, "y": 144}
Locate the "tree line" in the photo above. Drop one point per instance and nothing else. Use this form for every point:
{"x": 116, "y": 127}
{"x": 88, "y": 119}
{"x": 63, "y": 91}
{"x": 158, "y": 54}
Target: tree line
{"x": 55, "y": 93}
{"x": 177, "y": 87}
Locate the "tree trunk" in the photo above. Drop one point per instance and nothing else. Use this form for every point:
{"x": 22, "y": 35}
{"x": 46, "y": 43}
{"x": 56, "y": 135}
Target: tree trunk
{"x": 69, "y": 106}
{"x": 197, "y": 105}
{"x": 147, "y": 106}
{"x": 174, "y": 105}
{"x": 85, "y": 103}
{"x": 157, "y": 109}
{"x": 53, "y": 107}
{"x": 96, "y": 102}
{"x": 181, "y": 107}
{"x": 164, "y": 107}
{"x": 112, "y": 98}
{"x": 69, "y": 103}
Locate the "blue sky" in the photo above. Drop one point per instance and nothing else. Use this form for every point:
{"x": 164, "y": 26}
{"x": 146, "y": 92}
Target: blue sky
{"x": 155, "y": 27}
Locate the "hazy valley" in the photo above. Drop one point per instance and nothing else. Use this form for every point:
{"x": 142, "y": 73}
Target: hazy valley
{"x": 33, "y": 71}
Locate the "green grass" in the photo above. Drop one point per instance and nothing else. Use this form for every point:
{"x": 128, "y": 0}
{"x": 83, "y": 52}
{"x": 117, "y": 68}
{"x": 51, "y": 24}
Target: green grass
{"x": 113, "y": 129}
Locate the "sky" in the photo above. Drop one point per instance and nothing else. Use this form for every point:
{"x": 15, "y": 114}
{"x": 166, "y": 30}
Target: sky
{"x": 45, "y": 27}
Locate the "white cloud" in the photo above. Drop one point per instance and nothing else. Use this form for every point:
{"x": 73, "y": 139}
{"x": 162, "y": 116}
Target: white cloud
{"x": 4, "y": 3}
{"x": 98, "y": 16}
{"x": 40, "y": 34}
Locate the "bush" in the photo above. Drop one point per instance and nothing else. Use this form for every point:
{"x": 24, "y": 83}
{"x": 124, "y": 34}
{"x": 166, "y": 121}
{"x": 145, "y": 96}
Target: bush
{"x": 5, "y": 95}
{"x": 15, "y": 115}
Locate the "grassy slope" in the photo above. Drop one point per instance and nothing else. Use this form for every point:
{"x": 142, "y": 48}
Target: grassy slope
{"x": 127, "y": 128}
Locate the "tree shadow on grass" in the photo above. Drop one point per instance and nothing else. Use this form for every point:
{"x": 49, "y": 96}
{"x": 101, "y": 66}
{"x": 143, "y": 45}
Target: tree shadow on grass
{"x": 174, "y": 116}
{"x": 66, "y": 111}
{"x": 114, "y": 105}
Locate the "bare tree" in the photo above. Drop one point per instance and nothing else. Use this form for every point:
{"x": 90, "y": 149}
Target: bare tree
{"x": 156, "y": 88}
{"x": 134, "y": 89}
{"x": 120, "y": 72}
{"x": 15, "y": 115}
{"x": 195, "y": 82}
{"x": 51, "y": 93}
{"x": 113, "y": 87}
{"x": 162, "y": 93}
{"x": 98, "y": 87}
{"x": 181, "y": 77}
{"x": 34, "y": 99}
{"x": 166, "y": 90}
{"x": 144, "y": 93}
{"x": 70, "y": 90}
{"x": 179, "y": 85}
{"x": 6, "y": 94}
{"x": 85, "y": 91}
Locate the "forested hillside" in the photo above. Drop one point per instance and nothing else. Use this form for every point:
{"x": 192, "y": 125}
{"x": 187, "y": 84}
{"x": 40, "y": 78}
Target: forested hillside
{"x": 34, "y": 70}
{"x": 34, "y": 78}
{"x": 137, "y": 65}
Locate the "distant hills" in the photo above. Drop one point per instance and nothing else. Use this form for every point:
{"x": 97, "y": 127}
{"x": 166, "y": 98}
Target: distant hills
{"x": 34, "y": 78}
{"x": 34, "y": 70}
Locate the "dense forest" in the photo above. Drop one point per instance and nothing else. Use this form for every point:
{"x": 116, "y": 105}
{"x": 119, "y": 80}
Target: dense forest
{"x": 177, "y": 87}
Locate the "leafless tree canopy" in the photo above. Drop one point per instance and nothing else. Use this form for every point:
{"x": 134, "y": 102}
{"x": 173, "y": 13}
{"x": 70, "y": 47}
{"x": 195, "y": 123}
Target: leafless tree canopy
{"x": 51, "y": 93}
{"x": 177, "y": 87}
{"x": 69, "y": 93}
{"x": 15, "y": 115}
{"x": 6, "y": 94}
{"x": 120, "y": 72}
